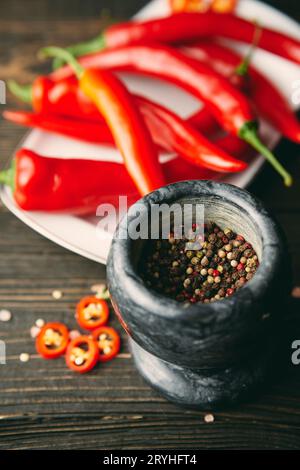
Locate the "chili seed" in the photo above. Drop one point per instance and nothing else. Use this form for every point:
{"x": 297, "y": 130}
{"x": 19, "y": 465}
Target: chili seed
{"x": 5, "y": 315}
{"x": 24, "y": 357}
{"x": 57, "y": 294}
{"x": 98, "y": 288}
{"x": 296, "y": 292}
{"x": 74, "y": 334}
{"x": 40, "y": 323}
{"x": 209, "y": 418}
{"x": 34, "y": 331}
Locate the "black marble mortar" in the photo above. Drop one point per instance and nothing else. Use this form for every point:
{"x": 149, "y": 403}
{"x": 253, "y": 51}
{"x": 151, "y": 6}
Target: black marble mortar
{"x": 204, "y": 355}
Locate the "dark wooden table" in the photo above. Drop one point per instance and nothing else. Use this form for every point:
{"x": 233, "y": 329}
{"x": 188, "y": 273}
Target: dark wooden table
{"x": 42, "y": 404}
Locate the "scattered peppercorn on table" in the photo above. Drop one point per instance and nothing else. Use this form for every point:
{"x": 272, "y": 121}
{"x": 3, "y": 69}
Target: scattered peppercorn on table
{"x": 44, "y": 405}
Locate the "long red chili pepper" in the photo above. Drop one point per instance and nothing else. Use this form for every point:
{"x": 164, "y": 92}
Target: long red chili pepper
{"x": 204, "y": 122}
{"x": 259, "y": 88}
{"x": 130, "y": 133}
{"x": 229, "y": 106}
{"x": 169, "y": 132}
{"x": 127, "y": 127}
{"x": 78, "y": 186}
{"x": 183, "y": 27}
{"x": 87, "y": 131}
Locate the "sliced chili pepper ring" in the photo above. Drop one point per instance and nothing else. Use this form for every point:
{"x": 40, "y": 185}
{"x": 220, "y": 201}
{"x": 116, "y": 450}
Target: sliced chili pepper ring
{"x": 82, "y": 354}
{"x": 52, "y": 340}
{"x": 92, "y": 312}
{"x": 108, "y": 342}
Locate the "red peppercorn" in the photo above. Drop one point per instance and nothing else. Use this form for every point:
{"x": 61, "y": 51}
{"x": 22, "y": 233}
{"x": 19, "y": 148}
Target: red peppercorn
{"x": 240, "y": 266}
{"x": 240, "y": 238}
{"x": 216, "y": 273}
{"x": 229, "y": 291}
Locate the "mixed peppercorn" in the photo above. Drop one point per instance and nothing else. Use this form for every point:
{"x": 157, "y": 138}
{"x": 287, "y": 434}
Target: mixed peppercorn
{"x": 222, "y": 263}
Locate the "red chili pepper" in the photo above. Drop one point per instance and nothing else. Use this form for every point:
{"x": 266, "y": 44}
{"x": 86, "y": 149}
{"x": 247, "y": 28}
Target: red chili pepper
{"x": 235, "y": 146}
{"x": 127, "y": 127}
{"x": 183, "y": 27}
{"x": 78, "y": 186}
{"x": 228, "y": 105}
{"x": 108, "y": 341}
{"x": 87, "y": 131}
{"x": 259, "y": 88}
{"x": 117, "y": 106}
{"x": 92, "y": 312}
{"x": 175, "y": 134}
{"x": 82, "y": 354}
{"x": 64, "y": 98}
{"x": 221, "y": 6}
{"x": 204, "y": 122}
{"x": 52, "y": 340}
{"x": 168, "y": 131}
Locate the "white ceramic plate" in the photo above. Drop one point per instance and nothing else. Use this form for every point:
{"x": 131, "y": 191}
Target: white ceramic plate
{"x": 79, "y": 234}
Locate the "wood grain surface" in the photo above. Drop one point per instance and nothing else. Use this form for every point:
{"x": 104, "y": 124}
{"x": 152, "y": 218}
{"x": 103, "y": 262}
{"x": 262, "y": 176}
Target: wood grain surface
{"x": 42, "y": 404}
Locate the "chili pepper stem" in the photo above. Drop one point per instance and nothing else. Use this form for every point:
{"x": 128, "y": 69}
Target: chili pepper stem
{"x": 65, "y": 56}
{"x": 77, "y": 50}
{"x": 7, "y": 177}
{"x": 243, "y": 67}
{"x": 23, "y": 92}
{"x": 249, "y": 133}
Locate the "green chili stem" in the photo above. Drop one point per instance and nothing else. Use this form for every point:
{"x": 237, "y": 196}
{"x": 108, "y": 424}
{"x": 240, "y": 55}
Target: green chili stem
{"x": 249, "y": 133}
{"x": 77, "y": 50}
{"x": 23, "y": 92}
{"x": 7, "y": 177}
{"x": 64, "y": 55}
{"x": 243, "y": 67}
